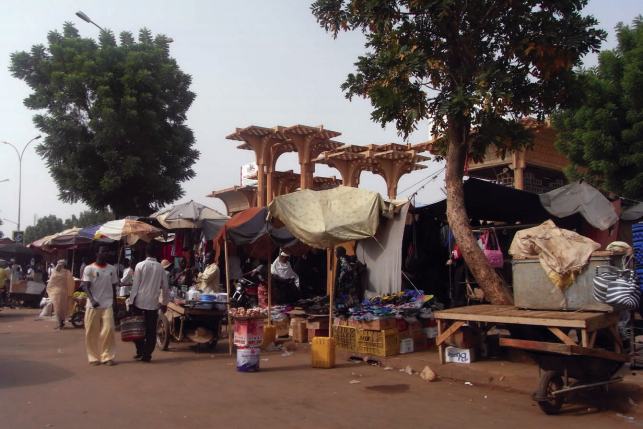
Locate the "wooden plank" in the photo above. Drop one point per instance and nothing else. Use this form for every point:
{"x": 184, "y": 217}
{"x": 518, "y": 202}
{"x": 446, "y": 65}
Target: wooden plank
{"x": 538, "y": 346}
{"x": 511, "y": 315}
{"x": 607, "y": 319}
{"x": 562, "y": 336}
{"x": 450, "y": 331}
{"x": 584, "y": 338}
{"x": 563, "y": 349}
{"x": 516, "y": 320}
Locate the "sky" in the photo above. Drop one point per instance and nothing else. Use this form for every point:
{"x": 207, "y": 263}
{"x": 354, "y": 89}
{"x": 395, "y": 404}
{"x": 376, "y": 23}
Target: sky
{"x": 253, "y": 62}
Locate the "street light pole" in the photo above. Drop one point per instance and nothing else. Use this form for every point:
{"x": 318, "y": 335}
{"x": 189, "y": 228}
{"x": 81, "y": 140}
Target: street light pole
{"x": 20, "y": 154}
{"x": 86, "y": 18}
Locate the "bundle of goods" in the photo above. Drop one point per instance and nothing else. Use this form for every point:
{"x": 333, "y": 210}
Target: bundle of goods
{"x": 316, "y": 305}
{"x": 402, "y": 304}
{"x": 250, "y": 313}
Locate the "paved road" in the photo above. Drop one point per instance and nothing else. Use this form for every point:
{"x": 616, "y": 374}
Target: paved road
{"x": 45, "y": 382}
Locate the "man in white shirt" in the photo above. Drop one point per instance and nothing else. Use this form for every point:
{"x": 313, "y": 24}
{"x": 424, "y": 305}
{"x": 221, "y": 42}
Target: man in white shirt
{"x": 99, "y": 282}
{"x": 150, "y": 284}
{"x": 128, "y": 274}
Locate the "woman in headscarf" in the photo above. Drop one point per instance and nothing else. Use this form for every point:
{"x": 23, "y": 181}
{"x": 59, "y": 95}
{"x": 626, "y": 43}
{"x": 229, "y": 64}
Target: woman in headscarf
{"x": 59, "y": 287}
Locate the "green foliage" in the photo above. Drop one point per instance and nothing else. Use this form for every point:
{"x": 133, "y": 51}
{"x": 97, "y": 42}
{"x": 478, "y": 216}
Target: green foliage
{"x": 474, "y": 68}
{"x": 114, "y": 118}
{"x": 88, "y": 218}
{"x": 603, "y": 134}
{"x": 44, "y": 226}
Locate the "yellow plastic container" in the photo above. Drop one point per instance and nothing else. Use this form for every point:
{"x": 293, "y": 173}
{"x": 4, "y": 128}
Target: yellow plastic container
{"x": 322, "y": 351}
{"x": 269, "y": 335}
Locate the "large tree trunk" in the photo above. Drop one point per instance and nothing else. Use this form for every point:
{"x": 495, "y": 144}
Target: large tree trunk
{"x": 492, "y": 285}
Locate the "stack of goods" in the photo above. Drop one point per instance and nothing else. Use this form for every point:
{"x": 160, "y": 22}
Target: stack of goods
{"x": 248, "y": 336}
{"x": 316, "y": 305}
{"x": 250, "y": 313}
{"x": 384, "y": 326}
{"x": 297, "y": 330}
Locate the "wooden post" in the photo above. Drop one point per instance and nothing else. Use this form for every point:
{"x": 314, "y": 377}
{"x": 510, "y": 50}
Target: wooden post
{"x": 227, "y": 285}
{"x": 331, "y": 288}
{"x": 269, "y": 291}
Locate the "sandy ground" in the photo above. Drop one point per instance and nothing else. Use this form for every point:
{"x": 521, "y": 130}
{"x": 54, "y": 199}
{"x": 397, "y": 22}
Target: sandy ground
{"x": 45, "y": 382}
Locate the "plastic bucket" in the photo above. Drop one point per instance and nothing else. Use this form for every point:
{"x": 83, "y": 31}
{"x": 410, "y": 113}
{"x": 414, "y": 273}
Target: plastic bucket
{"x": 248, "y": 359}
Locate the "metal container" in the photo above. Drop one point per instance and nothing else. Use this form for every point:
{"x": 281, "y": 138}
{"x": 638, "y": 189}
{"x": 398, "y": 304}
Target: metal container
{"x": 533, "y": 290}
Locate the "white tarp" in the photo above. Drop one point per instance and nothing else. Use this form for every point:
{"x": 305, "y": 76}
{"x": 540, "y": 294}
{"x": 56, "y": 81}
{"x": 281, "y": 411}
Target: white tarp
{"x": 323, "y": 219}
{"x": 383, "y": 256}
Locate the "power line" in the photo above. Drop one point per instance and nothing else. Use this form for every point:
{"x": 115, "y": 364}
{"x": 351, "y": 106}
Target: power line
{"x": 431, "y": 177}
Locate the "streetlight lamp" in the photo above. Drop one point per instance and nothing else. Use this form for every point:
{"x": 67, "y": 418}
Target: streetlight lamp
{"x": 85, "y": 18}
{"x": 20, "y": 154}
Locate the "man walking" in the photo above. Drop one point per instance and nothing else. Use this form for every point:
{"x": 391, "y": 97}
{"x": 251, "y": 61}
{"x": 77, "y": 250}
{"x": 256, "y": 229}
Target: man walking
{"x": 99, "y": 282}
{"x": 150, "y": 284}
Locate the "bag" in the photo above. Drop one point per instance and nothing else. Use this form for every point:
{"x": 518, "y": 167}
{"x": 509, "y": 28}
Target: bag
{"x": 132, "y": 328}
{"x": 617, "y": 288}
{"x": 491, "y": 248}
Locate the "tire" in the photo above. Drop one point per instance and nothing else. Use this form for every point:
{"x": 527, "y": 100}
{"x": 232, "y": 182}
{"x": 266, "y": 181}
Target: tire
{"x": 78, "y": 319}
{"x": 162, "y": 333}
{"x": 550, "y": 382}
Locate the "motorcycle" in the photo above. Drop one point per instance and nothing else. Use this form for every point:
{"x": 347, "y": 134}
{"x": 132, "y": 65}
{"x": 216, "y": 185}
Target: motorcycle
{"x": 246, "y": 291}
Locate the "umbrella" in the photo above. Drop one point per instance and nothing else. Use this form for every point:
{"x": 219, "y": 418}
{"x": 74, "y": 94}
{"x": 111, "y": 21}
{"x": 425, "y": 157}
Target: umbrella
{"x": 129, "y": 230}
{"x": 190, "y": 215}
{"x": 68, "y": 238}
{"x": 90, "y": 232}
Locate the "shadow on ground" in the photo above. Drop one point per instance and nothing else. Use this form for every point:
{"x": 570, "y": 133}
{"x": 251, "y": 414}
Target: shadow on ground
{"x": 15, "y": 373}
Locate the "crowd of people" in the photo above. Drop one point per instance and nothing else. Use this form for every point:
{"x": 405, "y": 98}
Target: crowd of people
{"x": 151, "y": 284}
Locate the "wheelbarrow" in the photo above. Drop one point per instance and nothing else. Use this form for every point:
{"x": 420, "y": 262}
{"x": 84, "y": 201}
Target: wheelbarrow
{"x": 567, "y": 369}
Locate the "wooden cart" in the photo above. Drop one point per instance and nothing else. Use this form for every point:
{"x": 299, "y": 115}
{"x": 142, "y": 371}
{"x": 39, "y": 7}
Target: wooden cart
{"x": 179, "y": 319}
{"x": 566, "y": 366}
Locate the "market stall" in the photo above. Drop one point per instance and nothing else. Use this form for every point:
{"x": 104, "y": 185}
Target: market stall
{"x": 326, "y": 219}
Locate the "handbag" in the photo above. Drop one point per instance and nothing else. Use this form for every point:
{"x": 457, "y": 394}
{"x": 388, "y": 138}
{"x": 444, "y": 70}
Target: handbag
{"x": 491, "y": 248}
{"x": 132, "y": 328}
{"x": 617, "y": 288}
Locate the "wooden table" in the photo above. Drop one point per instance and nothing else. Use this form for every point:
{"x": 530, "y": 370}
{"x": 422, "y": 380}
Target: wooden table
{"x": 588, "y": 323}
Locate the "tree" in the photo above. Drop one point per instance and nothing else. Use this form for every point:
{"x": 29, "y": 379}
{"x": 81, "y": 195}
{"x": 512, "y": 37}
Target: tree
{"x": 114, "y": 118}
{"x": 602, "y": 135}
{"x": 474, "y": 68}
{"x": 44, "y": 226}
{"x": 88, "y": 218}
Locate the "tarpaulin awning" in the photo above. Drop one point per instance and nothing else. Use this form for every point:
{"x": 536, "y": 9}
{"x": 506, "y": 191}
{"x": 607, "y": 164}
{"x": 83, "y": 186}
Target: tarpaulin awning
{"x": 251, "y": 228}
{"x": 14, "y": 249}
{"x": 580, "y": 197}
{"x": 323, "y": 219}
{"x": 485, "y": 200}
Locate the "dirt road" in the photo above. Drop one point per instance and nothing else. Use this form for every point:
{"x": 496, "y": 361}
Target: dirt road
{"x": 45, "y": 382}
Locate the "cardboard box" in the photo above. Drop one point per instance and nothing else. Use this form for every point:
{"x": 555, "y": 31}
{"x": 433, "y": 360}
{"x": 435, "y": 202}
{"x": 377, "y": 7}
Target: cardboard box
{"x": 415, "y": 328}
{"x": 299, "y": 332}
{"x": 378, "y": 324}
{"x": 420, "y": 343}
{"x": 317, "y": 323}
{"x": 312, "y": 333}
{"x": 406, "y": 345}
{"x": 456, "y": 355}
